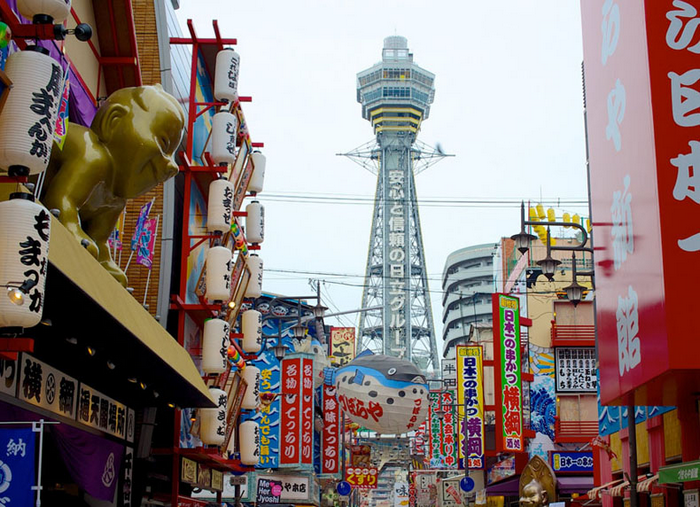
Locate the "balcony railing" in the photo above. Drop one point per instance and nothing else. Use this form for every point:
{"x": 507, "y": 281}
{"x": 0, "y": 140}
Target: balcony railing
{"x": 574, "y": 431}
{"x": 573, "y": 336}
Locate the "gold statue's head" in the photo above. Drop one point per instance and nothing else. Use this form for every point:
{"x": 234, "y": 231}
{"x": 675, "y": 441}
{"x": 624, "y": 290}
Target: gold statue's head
{"x": 534, "y": 495}
{"x": 141, "y": 128}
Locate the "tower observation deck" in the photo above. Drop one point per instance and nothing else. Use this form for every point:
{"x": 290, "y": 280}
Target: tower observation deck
{"x": 396, "y": 95}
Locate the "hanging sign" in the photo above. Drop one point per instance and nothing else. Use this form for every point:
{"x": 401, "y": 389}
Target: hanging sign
{"x": 307, "y": 411}
{"x": 290, "y": 435}
{"x": 506, "y": 319}
{"x": 127, "y": 476}
{"x": 470, "y": 389}
{"x": 330, "y": 462}
{"x": 17, "y": 466}
{"x": 575, "y": 369}
{"x": 342, "y": 345}
{"x": 189, "y": 471}
{"x": 362, "y": 478}
{"x": 444, "y": 434}
{"x": 46, "y": 387}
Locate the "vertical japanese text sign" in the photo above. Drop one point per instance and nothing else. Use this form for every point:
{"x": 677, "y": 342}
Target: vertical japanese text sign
{"x": 342, "y": 345}
{"x": 290, "y": 419}
{"x": 443, "y": 439}
{"x": 307, "y": 411}
{"x": 330, "y": 464}
{"x": 470, "y": 385}
{"x": 642, "y": 77}
{"x": 506, "y": 326}
{"x": 17, "y": 467}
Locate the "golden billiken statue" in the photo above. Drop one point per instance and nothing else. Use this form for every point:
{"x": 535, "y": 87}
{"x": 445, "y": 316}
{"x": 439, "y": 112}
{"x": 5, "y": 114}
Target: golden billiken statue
{"x": 128, "y": 150}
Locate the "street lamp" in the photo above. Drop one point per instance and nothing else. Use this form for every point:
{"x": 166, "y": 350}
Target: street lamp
{"x": 574, "y": 292}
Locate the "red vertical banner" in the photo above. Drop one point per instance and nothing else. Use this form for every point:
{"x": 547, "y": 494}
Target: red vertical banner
{"x": 507, "y": 373}
{"x": 307, "y": 411}
{"x": 330, "y": 462}
{"x": 290, "y": 420}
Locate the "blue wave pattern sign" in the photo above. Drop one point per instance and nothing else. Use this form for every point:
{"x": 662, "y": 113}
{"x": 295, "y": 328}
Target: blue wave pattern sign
{"x": 16, "y": 467}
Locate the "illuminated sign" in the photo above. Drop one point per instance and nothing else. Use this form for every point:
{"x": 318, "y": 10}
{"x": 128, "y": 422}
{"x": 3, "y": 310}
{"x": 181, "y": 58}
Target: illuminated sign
{"x": 362, "y": 478}
{"x": 330, "y": 462}
{"x": 509, "y": 426}
{"x": 290, "y": 437}
{"x": 470, "y": 394}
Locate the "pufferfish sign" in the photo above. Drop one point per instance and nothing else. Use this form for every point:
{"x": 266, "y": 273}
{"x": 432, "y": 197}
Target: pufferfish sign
{"x": 383, "y": 393}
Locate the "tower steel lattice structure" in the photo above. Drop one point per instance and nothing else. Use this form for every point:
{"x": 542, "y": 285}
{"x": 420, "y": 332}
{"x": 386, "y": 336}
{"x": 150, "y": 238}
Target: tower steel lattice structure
{"x": 396, "y": 95}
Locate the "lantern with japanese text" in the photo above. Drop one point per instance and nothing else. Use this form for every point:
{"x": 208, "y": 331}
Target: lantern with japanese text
{"x": 215, "y": 345}
{"x": 255, "y": 266}
{"x": 257, "y": 180}
{"x": 220, "y": 205}
{"x": 251, "y": 325}
{"x": 224, "y": 131}
{"x": 29, "y": 114}
{"x": 24, "y": 237}
{"x": 226, "y": 79}
{"x": 251, "y": 375}
{"x": 218, "y": 273}
{"x": 212, "y": 424}
{"x": 383, "y": 393}
{"x": 249, "y": 437}
{"x": 255, "y": 222}
{"x": 44, "y": 11}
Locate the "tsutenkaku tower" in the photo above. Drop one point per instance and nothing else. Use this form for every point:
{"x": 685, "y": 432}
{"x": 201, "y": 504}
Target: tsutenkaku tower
{"x": 396, "y": 95}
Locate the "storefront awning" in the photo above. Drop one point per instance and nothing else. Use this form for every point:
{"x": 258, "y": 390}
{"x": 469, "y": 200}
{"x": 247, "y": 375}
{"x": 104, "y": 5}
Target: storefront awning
{"x": 619, "y": 490}
{"x": 506, "y": 487}
{"x": 596, "y": 493}
{"x": 574, "y": 484}
{"x": 680, "y": 472}
{"x": 646, "y": 485}
{"x": 85, "y": 302}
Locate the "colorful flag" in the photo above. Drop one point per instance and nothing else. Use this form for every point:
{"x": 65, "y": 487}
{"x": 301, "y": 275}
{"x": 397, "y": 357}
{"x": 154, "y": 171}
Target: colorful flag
{"x": 147, "y": 243}
{"x": 59, "y": 134}
{"x": 143, "y": 216}
{"x": 17, "y": 466}
{"x": 115, "y": 239}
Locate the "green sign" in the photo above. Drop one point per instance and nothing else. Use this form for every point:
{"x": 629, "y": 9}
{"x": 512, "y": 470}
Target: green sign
{"x": 511, "y": 395}
{"x": 689, "y": 471}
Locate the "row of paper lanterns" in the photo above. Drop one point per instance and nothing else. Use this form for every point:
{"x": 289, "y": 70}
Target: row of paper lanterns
{"x": 220, "y": 219}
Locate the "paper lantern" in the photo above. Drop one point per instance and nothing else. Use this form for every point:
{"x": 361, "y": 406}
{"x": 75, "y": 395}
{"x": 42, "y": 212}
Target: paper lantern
{"x": 224, "y": 130}
{"x": 218, "y": 274}
{"x": 215, "y": 345}
{"x": 226, "y": 79}
{"x": 321, "y": 361}
{"x": 24, "y": 255}
{"x": 255, "y": 265}
{"x": 255, "y": 222}
{"x": 251, "y": 375}
{"x": 383, "y": 393}
{"x": 46, "y": 11}
{"x": 249, "y": 437}
{"x": 251, "y": 325}
{"x": 29, "y": 115}
{"x": 212, "y": 421}
{"x": 220, "y": 205}
{"x": 257, "y": 179}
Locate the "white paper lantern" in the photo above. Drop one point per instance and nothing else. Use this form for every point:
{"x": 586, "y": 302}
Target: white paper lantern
{"x": 212, "y": 421}
{"x": 215, "y": 345}
{"x": 251, "y": 325}
{"x": 257, "y": 180}
{"x": 218, "y": 274}
{"x": 255, "y": 222}
{"x": 392, "y": 392}
{"x": 220, "y": 205}
{"x": 29, "y": 115}
{"x": 226, "y": 79}
{"x": 57, "y": 10}
{"x": 24, "y": 256}
{"x": 249, "y": 436}
{"x": 224, "y": 130}
{"x": 251, "y": 375}
{"x": 255, "y": 265}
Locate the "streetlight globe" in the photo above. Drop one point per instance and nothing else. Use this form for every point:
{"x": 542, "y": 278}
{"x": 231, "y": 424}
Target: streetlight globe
{"x": 523, "y": 240}
{"x": 574, "y": 292}
{"x": 549, "y": 266}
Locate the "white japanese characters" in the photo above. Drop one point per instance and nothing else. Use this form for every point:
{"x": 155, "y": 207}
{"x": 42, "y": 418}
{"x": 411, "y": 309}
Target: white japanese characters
{"x": 610, "y": 28}
{"x": 622, "y": 230}
{"x": 396, "y": 262}
{"x": 628, "y": 343}
{"x": 685, "y": 99}
{"x": 617, "y": 101}
{"x": 681, "y": 34}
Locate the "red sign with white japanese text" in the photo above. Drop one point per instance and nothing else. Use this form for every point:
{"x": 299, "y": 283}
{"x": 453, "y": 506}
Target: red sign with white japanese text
{"x": 330, "y": 462}
{"x": 290, "y": 420}
{"x": 642, "y": 78}
{"x": 307, "y": 411}
{"x": 507, "y": 370}
{"x": 362, "y": 478}
{"x": 444, "y": 429}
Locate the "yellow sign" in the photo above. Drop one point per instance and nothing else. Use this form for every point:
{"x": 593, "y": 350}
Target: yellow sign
{"x": 189, "y": 471}
{"x": 342, "y": 345}
{"x": 470, "y": 399}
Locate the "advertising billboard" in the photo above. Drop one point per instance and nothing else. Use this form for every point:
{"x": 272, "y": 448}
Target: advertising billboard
{"x": 470, "y": 393}
{"x": 643, "y": 113}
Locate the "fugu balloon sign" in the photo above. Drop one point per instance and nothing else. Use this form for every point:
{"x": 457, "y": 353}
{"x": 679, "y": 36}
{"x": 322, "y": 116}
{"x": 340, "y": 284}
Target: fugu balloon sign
{"x": 383, "y": 393}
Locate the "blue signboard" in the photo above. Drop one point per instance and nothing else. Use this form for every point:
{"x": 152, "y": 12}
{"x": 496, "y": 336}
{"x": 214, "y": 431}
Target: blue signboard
{"x": 562, "y": 461}
{"x": 17, "y": 467}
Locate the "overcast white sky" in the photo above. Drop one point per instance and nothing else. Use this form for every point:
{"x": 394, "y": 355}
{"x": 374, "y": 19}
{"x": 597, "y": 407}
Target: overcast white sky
{"x": 508, "y": 104}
